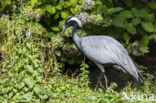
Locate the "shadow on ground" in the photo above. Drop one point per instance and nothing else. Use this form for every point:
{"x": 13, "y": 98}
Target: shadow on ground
{"x": 112, "y": 75}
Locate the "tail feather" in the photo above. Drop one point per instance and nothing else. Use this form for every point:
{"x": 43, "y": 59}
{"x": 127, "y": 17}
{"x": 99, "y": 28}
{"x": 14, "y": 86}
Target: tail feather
{"x": 139, "y": 73}
{"x": 134, "y": 71}
{"x": 137, "y": 76}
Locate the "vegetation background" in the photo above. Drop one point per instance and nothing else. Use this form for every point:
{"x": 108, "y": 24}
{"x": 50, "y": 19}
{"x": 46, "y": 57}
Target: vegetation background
{"x": 39, "y": 65}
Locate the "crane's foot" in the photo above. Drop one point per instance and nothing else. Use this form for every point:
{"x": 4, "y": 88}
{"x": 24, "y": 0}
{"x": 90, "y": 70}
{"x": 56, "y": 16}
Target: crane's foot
{"x": 99, "y": 79}
{"x": 105, "y": 80}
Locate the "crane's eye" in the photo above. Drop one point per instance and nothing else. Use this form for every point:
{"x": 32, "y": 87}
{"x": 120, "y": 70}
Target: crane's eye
{"x": 66, "y": 22}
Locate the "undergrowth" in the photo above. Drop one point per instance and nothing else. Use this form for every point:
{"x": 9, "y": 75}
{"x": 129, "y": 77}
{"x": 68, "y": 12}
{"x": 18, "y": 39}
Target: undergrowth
{"x": 30, "y": 71}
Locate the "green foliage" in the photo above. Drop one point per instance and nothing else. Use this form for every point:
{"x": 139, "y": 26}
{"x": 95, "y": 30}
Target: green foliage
{"x": 54, "y": 10}
{"x": 152, "y": 5}
{"x": 114, "y": 10}
{"x": 7, "y": 4}
{"x": 148, "y": 26}
{"x": 30, "y": 55}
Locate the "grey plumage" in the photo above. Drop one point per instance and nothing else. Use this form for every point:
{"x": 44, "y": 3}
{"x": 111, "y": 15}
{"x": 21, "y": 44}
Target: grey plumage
{"x": 106, "y": 50}
{"x": 103, "y": 50}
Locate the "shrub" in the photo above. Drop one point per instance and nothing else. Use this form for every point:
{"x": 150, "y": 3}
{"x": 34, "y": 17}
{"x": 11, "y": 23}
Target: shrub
{"x": 30, "y": 55}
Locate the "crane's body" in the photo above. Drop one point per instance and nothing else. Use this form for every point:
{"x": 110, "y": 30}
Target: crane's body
{"x": 103, "y": 50}
{"x": 98, "y": 47}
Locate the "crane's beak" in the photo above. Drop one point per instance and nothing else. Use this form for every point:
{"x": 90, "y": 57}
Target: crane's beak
{"x": 63, "y": 31}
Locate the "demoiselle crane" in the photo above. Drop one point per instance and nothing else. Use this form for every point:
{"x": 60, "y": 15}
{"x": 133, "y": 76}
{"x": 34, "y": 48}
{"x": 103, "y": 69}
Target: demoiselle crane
{"x": 103, "y": 50}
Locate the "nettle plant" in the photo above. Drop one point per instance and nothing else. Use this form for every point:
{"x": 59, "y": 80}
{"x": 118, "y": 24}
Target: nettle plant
{"x": 25, "y": 63}
{"x": 54, "y": 11}
{"x": 7, "y": 4}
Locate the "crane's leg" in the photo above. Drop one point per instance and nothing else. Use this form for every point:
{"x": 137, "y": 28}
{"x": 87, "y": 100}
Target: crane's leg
{"x": 101, "y": 67}
{"x": 99, "y": 79}
{"x": 105, "y": 79}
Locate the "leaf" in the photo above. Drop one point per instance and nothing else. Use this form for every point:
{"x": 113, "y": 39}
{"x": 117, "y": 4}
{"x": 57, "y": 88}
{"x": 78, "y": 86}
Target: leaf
{"x": 126, "y": 14}
{"x": 154, "y": 27}
{"x": 53, "y": 10}
{"x": 11, "y": 94}
{"x": 152, "y": 5}
{"x": 64, "y": 15}
{"x": 98, "y": 3}
{"x": 148, "y": 26}
{"x": 93, "y": 98}
{"x": 39, "y": 79}
{"x": 30, "y": 68}
{"x": 20, "y": 21}
{"x": 61, "y": 2}
{"x": 36, "y": 63}
{"x": 15, "y": 90}
{"x": 126, "y": 37}
{"x": 118, "y": 22}
{"x": 17, "y": 32}
{"x": 135, "y": 12}
{"x": 150, "y": 17}
{"x": 72, "y": 10}
{"x": 129, "y": 3}
{"x": 21, "y": 85}
{"x": 55, "y": 28}
{"x": 153, "y": 36}
{"x": 29, "y": 82}
{"x": 59, "y": 7}
{"x": 103, "y": 10}
{"x": 28, "y": 45}
{"x": 33, "y": 2}
{"x": 27, "y": 96}
{"x": 131, "y": 29}
{"x": 58, "y": 53}
{"x": 37, "y": 90}
{"x": 145, "y": 41}
{"x": 45, "y": 96}
{"x": 114, "y": 10}
{"x": 67, "y": 4}
{"x": 136, "y": 21}
{"x": 50, "y": 9}
{"x": 56, "y": 16}
{"x": 140, "y": 13}
{"x": 144, "y": 49}
{"x": 74, "y": 2}
{"x": 49, "y": 35}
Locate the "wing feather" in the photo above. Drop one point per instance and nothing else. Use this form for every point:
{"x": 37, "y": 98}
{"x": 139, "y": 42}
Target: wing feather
{"x": 105, "y": 49}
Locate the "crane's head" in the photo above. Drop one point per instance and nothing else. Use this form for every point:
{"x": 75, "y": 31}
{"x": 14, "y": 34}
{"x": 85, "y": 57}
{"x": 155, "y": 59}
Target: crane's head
{"x": 71, "y": 21}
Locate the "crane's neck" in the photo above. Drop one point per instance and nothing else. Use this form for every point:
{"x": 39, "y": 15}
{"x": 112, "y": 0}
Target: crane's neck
{"x": 75, "y": 37}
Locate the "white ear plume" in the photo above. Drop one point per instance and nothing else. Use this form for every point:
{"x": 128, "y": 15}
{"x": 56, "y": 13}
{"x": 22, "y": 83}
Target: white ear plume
{"x": 76, "y": 20}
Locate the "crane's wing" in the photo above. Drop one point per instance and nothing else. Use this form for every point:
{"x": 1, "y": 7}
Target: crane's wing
{"x": 105, "y": 50}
